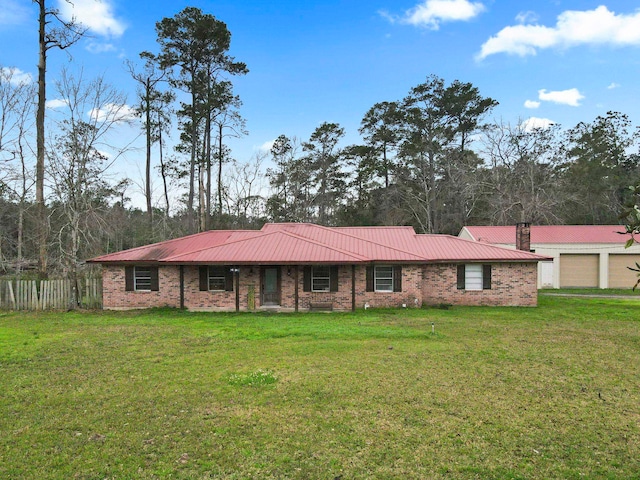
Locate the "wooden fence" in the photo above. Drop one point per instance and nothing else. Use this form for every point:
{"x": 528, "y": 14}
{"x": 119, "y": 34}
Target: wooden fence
{"x": 49, "y": 294}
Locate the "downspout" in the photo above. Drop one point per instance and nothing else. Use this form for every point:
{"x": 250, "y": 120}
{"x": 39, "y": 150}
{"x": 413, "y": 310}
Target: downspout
{"x": 353, "y": 288}
{"x": 237, "y": 275}
{"x": 182, "y": 287}
{"x": 296, "y": 288}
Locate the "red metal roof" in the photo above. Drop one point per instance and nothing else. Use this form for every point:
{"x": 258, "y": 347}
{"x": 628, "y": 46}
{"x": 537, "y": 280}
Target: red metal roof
{"x": 379, "y": 245}
{"x": 550, "y": 234}
{"x": 269, "y": 248}
{"x": 158, "y": 252}
{"x": 296, "y": 243}
{"x": 398, "y": 237}
{"x": 447, "y": 248}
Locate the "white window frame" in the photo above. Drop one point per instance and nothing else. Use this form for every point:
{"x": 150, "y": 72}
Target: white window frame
{"x": 377, "y": 276}
{"x": 315, "y": 276}
{"x": 217, "y": 277}
{"x": 142, "y": 275}
{"x": 473, "y": 276}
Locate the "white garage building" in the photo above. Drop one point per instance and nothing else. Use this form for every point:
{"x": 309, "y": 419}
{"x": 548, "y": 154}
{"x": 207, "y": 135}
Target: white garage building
{"x": 587, "y": 256}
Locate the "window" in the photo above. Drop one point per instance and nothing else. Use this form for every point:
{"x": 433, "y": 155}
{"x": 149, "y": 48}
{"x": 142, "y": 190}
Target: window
{"x": 141, "y": 279}
{"x": 474, "y": 277}
{"x": 217, "y": 278}
{"x": 321, "y": 278}
{"x": 384, "y": 279}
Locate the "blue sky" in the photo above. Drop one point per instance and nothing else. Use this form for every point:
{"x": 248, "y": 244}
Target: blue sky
{"x": 554, "y": 60}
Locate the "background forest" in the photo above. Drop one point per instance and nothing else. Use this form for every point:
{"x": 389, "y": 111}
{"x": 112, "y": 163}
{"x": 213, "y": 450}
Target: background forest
{"x": 436, "y": 159}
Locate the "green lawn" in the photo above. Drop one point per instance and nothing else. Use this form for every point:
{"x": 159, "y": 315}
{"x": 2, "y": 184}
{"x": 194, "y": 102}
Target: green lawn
{"x": 591, "y": 291}
{"x": 509, "y": 393}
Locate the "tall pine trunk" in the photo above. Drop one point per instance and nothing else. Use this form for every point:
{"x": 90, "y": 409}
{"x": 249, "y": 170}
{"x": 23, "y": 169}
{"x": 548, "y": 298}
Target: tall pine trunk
{"x": 163, "y": 173}
{"x": 202, "y": 194}
{"x": 41, "y": 212}
{"x": 192, "y": 164}
{"x": 220, "y": 159}
{"x": 147, "y": 190}
{"x": 207, "y": 134}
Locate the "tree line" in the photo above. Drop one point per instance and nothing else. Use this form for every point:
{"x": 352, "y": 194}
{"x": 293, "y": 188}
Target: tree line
{"x": 434, "y": 159}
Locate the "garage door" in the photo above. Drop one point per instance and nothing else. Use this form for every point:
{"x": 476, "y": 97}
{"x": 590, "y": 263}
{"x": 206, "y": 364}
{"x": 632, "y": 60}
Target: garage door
{"x": 579, "y": 271}
{"x": 619, "y": 275}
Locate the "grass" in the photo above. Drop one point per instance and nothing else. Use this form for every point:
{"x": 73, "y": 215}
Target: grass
{"x": 494, "y": 393}
{"x": 592, "y": 291}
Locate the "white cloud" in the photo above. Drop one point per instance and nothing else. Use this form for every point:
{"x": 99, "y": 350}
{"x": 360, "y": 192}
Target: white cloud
{"x": 14, "y": 12}
{"x": 431, "y": 13}
{"x": 613, "y": 85}
{"x": 591, "y": 27}
{"x": 569, "y": 97}
{"x": 56, "y": 103}
{"x": 527, "y": 17}
{"x": 536, "y": 123}
{"x": 266, "y": 146}
{"x": 97, "y": 16}
{"x": 112, "y": 112}
{"x": 531, "y": 104}
{"x": 94, "y": 47}
{"x": 15, "y": 76}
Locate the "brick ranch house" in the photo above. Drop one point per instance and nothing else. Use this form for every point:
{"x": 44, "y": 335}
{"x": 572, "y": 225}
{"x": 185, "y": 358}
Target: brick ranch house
{"x": 301, "y": 267}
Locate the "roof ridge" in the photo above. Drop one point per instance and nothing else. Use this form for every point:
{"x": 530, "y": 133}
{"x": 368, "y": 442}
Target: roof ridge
{"x": 374, "y": 226}
{"x": 316, "y": 242}
{"x": 331, "y": 229}
{"x": 259, "y": 233}
{"x": 264, "y": 234}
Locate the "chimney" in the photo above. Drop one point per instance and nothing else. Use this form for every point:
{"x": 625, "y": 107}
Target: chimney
{"x": 523, "y": 236}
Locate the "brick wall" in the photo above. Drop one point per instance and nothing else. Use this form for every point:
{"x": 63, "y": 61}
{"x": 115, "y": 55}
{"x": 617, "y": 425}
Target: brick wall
{"x": 411, "y": 290}
{"x": 511, "y": 284}
{"x": 287, "y": 287}
{"x": 194, "y": 299}
{"x": 249, "y": 278}
{"x": 114, "y": 296}
{"x": 341, "y": 300}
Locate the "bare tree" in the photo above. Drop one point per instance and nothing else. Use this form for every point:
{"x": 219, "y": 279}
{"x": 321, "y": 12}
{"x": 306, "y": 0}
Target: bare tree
{"x": 16, "y": 118}
{"x": 244, "y": 194}
{"x": 439, "y": 123}
{"x": 53, "y": 32}
{"x": 79, "y": 164}
{"x": 226, "y": 118}
{"x": 522, "y": 179}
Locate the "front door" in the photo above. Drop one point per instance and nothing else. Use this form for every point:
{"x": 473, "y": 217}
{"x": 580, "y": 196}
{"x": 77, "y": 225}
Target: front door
{"x": 271, "y": 286}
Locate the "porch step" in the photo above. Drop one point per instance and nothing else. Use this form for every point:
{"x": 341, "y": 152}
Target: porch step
{"x": 321, "y": 307}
